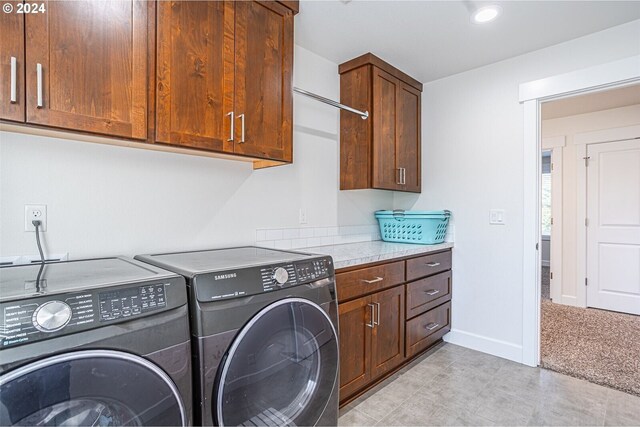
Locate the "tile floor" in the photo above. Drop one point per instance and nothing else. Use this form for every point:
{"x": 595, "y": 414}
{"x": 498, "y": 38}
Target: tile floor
{"x": 452, "y": 385}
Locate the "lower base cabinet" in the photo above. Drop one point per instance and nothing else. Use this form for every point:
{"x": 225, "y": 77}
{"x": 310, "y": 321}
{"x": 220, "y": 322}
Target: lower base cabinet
{"x": 381, "y": 329}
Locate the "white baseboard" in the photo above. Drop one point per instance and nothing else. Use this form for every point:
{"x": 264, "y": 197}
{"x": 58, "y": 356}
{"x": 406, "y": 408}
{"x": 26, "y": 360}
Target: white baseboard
{"x": 499, "y": 348}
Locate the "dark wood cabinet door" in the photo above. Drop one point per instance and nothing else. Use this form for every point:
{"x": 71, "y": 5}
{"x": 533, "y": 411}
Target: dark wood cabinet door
{"x": 355, "y": 320}
{"x": 263, "y": 73}
{"x": 408, "y": 137}
{"x": 387, "y": 344}
{"x": 86, "y": 66}
{"x": 194, "y": 74}
{"x": 385, "y": 92}
{"x": 12, "y": 105}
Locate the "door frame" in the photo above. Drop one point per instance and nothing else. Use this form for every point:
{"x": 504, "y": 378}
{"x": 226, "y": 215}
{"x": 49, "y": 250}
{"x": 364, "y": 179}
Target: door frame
{"x": 582, "y": 142}
{"x": 531, "y": 95}
{"x": 556, "y": 145}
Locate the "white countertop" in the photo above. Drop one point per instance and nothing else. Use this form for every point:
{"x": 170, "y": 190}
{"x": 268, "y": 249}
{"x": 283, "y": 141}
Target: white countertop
{"x": 350, "y": 254}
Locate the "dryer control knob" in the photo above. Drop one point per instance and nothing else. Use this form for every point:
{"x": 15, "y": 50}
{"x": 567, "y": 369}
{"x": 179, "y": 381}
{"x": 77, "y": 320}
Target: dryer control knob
{"x": 51, "y": 316}
{"x": 280, "y": 275}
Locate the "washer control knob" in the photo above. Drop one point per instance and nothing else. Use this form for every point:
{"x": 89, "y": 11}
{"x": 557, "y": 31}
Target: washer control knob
{"x": 51, "y": 316}
{"x": 280, "y": 275}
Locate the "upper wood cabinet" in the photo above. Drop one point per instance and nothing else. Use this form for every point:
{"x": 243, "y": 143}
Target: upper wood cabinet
{"x": 209, "y": 75}
{"x": 383, "y": 151}
{"x": 194, "y": 74}
{"x": 12, "y": 105}
{"x": 86, "y": 66}
{"x": 224, "y": 73}
{"x": 263, "y": 80}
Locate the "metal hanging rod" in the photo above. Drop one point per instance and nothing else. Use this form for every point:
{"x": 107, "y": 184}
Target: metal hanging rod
{"x": 363, "y": 114}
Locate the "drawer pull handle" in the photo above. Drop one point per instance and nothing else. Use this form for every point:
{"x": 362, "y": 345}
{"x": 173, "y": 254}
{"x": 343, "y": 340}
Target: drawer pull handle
{"x": 432, "y": 292}
{"x": 376, "y": 280}
{"x": 372, "y": 324}
{"x": 433, "y": 264}
{"x": 431, "y": 326}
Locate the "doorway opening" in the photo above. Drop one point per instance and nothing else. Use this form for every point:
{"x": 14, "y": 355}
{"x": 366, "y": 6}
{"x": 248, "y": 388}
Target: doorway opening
{"x": 590, "y": 246}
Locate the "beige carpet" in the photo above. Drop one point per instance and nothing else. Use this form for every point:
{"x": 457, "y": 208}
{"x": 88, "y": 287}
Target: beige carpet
{"x": 596, "y": 345}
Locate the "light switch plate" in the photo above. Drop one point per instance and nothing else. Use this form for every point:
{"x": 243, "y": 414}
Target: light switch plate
{"x": 497, "y": 217}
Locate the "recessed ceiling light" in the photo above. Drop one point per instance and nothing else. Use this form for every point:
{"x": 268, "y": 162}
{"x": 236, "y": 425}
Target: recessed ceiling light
{"x": 485, "y": 14}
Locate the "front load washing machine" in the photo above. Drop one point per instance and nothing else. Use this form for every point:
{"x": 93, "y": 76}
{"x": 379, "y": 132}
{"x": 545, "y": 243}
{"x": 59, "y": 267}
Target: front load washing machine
{"x": 264, "y": 328}
{"x": 99, "y": 342}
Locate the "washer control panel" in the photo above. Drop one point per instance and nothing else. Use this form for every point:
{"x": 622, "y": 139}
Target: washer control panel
{"x": 45, "y": 317}
{"x": 122, "y": 303}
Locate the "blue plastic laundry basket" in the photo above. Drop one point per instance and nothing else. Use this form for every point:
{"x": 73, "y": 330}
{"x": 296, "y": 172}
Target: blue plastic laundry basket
{"x": 422, "y": 227}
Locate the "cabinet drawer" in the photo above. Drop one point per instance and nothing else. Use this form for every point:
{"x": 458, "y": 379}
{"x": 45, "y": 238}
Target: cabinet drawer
{"x": 355, "y": 283}
{"x": 428, "y": 265}
{"x": 427, "y": 293}
{"x": 424, "y": 330}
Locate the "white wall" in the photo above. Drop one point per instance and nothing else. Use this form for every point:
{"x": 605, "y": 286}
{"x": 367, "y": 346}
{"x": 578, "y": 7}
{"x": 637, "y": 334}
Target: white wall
{"x": 105, "y": 200}
{"x": 472, "y": 162}
{"x": 572, "y": 281}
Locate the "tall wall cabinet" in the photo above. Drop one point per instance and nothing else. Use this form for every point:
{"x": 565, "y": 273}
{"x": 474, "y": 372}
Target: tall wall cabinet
{"x": 205, "y": 75}
{"x": 382, "y": 152}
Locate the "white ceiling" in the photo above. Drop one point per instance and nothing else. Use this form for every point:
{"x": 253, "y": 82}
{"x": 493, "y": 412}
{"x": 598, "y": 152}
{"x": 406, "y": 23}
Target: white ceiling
{"x": 588, "y": 103}
{"x": 433, "y": 39}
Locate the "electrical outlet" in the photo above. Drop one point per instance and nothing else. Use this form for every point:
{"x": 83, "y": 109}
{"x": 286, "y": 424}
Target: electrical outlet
{"x": 35, "y": 212}
{"x": 303, "y": 216}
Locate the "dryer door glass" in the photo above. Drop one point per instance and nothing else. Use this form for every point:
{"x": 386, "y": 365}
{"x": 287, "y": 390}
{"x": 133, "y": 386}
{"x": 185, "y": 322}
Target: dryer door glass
{"x": 95, "y": 388}
{"x": 281, "y": 369}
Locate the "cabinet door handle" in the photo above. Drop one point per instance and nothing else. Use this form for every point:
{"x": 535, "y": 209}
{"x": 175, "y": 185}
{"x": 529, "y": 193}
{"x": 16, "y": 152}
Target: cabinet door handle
{"x": 233, "y": 123}
{"x": 14, "y": 76}
{"x": 377, "y": 314}
{"x": 399, "y": 180}
{"x": 433, "y": 264}
{"x": 241, "y": 117}
{"x": 371, "y": 316}
{"x": 39, "y": 85}
{"x": 432, "y": 292}
{"x": 431, "y": 326}
{"x": 376, "y": 280}
{"x": 403, "y": 176}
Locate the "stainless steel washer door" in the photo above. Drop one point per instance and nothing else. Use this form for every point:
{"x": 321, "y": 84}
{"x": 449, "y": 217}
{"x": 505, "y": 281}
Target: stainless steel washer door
{"x": 280, "y": 369}
{"x": 96, "y": 387}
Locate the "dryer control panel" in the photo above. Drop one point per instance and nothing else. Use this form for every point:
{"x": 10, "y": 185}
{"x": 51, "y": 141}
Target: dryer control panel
{"x": 256, "y": 280}
{"x": 49, "y": 316}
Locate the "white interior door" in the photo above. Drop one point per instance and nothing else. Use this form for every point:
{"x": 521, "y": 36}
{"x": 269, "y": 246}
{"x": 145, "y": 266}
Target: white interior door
{"x": 613, "y": 232}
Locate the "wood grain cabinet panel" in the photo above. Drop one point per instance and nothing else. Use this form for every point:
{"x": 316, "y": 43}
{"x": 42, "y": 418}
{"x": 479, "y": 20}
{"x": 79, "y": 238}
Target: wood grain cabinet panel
{"x": 382, "y": 152}
{"x": 426, "y": 329}
{"x": 263, "y": 100}
{"x": 424, "y": 294}
{"x": 86, "y": 66}
{"x": 356, "y": 283}
{"x": 427, "y": 265}
{"x": 385, "y": 100}
{"x": 387, "y": 345}
{"x": 12, "y": 106}
{"x": 194, "y": 74}
{"x": 355, "y": 320}
{"x": 408, "y": 137}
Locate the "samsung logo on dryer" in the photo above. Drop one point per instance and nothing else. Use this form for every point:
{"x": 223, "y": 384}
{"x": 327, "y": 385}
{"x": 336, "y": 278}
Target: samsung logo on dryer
{"x": 225, "y": 276}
